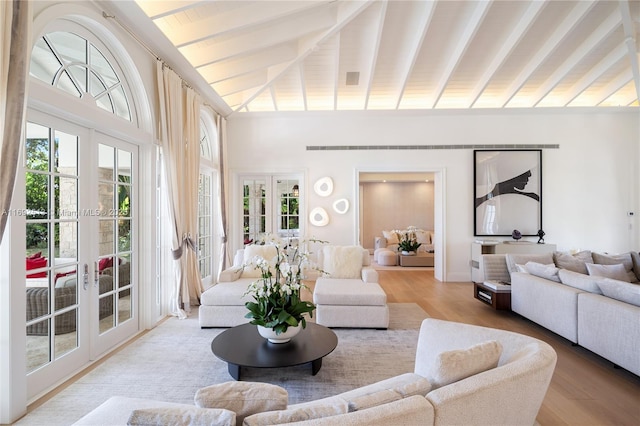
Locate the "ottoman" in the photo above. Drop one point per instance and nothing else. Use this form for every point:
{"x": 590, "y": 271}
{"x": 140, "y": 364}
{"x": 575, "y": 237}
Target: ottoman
{"x": 345, "y": 302}
{"x": 387, "y": 258}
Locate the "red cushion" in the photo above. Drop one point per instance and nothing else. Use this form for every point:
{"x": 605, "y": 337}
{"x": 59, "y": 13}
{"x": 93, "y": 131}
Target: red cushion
{"x": 64, "y": 274}
{"x": 35, "y": 255}
{"x": 37, "y": 263}
{"x": 107, "y": 262}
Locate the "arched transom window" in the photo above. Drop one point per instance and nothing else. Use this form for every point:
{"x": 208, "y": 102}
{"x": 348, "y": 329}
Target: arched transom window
{"x": 73, "y": 64}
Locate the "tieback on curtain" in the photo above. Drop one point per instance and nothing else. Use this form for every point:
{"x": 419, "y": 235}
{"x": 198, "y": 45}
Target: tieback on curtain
{"x": 189, "y": 242}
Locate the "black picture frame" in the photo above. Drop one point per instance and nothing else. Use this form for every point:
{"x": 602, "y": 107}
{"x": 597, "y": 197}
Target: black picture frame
{"x": 507, "y": 192}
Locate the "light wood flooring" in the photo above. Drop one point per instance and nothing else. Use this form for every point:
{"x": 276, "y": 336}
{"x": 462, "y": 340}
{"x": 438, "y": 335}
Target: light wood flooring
{"x": 585, "y": 389}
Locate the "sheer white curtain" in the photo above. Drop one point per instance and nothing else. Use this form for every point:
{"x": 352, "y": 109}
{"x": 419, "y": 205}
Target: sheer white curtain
{"x": 15, "y": 48}
{"x": 179, "y": 121}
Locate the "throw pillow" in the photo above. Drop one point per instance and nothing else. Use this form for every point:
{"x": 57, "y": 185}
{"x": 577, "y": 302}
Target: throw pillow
{"x": 521, "y": 268}
{"x": 622, "y": 291}
{"x": 616, "y": 272}
{"x": 579, "y": 281}
{"x": 342, "y": 261}
{"x": 106, "y": 262}
{"x": 35, "y": 255}
{"x": 635, "y": 258}
{"x": 549, "y": 272}
{"x": 392, "y": 237}
{"x": 573, "y": 262}
{"x": 37, "y": 263}
{"x": 612, "y": 259}
{"x": 308, "y": 412}
{"x": 243, "y": 398}
{"x": 452, "y": 366}
{"x": 522, "y": 259}
{"x": 372, "y": 399}
{"x": 181, "y": 416}
{"x": 267, "y": 252}
{"x": 423, "y": 237}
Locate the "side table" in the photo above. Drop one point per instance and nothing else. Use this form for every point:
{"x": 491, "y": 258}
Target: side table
{"x": 494, "y": 293}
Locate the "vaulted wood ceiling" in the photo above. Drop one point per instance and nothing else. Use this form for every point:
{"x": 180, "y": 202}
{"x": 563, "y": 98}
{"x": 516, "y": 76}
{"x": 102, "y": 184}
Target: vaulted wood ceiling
{"x": 387, "y": 55}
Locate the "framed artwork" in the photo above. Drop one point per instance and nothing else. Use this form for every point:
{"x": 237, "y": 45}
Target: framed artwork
{"x": 507, "y": 192}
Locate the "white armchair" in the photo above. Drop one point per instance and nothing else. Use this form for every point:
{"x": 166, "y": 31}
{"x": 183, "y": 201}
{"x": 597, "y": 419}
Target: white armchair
{"x": 349, "y": 295}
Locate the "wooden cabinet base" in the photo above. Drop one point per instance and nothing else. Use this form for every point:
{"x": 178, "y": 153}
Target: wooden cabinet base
{"x": 497, "y": 300}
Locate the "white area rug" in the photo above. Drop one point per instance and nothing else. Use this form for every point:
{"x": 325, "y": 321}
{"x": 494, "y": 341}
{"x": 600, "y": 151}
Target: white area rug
{"x": 174, "y": 360}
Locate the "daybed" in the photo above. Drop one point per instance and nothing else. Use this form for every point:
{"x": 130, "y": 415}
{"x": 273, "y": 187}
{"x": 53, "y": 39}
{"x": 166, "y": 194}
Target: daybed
{"x": 506, "y": 378}
{"x": 556, "y": 291}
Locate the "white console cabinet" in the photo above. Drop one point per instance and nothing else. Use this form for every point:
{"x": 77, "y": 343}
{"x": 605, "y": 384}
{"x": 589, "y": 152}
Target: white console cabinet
{"x": 523, "y": 247}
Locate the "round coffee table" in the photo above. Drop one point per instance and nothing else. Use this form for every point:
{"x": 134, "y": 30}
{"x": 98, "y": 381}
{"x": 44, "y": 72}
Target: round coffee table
{"x": 242, "y": 346}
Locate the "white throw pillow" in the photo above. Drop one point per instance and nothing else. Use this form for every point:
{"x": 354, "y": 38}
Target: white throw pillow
{"x": 423, "y": 237}
{"x": 622, "y": 291}
{"x": 579, "y": 281}
{"x": 615, "y": 272}
{"x": 392, "y": 237}
{"x": 181, "y": 416}
{"x": 267, "y": 252}
{"x": 452, "y": 366}
{"x": 308, "y": 412}
{"x": 342, "y": 261}
{"x": 612, "y": 259}
{"x": 549, "y": 272}
{"x": 243, "y": 398}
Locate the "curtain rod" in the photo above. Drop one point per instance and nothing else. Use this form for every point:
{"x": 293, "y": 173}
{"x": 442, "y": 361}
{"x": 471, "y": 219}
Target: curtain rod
{"x": 148, "y": 49}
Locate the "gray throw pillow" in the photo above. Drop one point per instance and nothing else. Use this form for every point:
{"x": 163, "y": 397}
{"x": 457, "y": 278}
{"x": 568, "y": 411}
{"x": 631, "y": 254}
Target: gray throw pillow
{"x": 549, "y": 272}
{"x": 624, "y": 292}
{"x": 579, "y": 281}
{"x": 612, "y": 259}
{"x": 635, "y": 259}
{"x": 573, "y": 262}
{"x": 615, "y": 272}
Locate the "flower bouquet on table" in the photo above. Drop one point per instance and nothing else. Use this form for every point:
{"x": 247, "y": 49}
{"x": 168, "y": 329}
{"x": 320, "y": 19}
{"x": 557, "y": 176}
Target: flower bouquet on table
{"x": 277, "y": 304}
{"x": 408, "y": 240}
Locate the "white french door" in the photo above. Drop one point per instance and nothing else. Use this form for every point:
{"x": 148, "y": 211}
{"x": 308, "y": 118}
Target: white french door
{"x": 80, "y": 232}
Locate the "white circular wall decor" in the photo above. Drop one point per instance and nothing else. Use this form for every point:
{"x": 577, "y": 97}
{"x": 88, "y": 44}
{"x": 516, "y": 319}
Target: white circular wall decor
{"x": 323, "y": 186}
{"x": 319, "y": 217}
{"x": 341, "y": 206}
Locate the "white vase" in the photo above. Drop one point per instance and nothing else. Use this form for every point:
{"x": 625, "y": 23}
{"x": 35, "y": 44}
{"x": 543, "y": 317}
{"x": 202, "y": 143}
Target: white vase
{"x": 271, "y": 335}
{"x": 408, "y": 253}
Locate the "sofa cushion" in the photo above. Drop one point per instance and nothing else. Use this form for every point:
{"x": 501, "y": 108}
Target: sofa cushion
{"x": 622, "y": 291}
{"x": 298, "y": 414}
{"x": 635, "y": 258}
{"x": 452, "y": 366}
{"x": 392, "y": 237}
{"x": 613, "y": 259}
{"x": 228, "y": 293}
{"x": 573, "y": 262}
{"x": 181, "y": 416}
{"x": 372, "y": 399}
{"x": 579, "y": 281}
{"x": 342, "y": 261}
{"x": 243, "y": 398}
{"x": 616, "y": 271}
{"x": 267, "y": 252}
{"x": 549, "y": 272}
{"x": 522, "y": 259}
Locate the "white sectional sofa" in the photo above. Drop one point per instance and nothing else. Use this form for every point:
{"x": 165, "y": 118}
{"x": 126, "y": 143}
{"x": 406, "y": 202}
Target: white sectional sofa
{"x": 598, "y": 313}
{"x": 463, "y": 375}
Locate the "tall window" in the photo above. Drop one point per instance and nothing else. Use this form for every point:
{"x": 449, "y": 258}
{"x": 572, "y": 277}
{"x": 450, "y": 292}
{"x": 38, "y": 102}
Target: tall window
{"x": 205, "y": 207}
{"x": 72, "y": 64}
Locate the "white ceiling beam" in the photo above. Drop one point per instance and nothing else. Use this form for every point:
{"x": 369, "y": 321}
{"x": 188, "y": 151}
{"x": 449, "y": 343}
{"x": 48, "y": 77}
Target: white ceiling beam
{"x": 241, "y": 83}
{"x": 158, "y": 9}
{"x": 347, "y": 11}
{"x": 243, "y": 19}
{"x": 303, "y": 86}
{"x": 415, "y": 47}
{"x": 336, "y": 72}
{"x": 616, "y": 84}
{"x": 603, "y": 31}
{"x": 375, "y": 50}
{"x": 272, "y": 90}
{"x": 464, "y": 40}
{"x": 595, "y": 73}
{"x": 519, "y": 31}
{"x": 232, "y": 67}
{"x": 578, "y": 13}
{"x": 630, "y": 41}
{"x": 208, "y": 52}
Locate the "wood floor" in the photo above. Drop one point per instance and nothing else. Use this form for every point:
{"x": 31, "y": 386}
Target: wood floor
{"x": 585, "y": 389}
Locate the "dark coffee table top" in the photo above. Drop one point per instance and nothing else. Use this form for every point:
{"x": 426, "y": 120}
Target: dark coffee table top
{"x": 243, "y": 346}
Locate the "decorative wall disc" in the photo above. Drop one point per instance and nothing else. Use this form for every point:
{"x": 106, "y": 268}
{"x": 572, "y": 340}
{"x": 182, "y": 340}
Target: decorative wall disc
{"x": 341, "y": 206}
{"x": 323, "y": 186}
{"x": 319, "y": 217}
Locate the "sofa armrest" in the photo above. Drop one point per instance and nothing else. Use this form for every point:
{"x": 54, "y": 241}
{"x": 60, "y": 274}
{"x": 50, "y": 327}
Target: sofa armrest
{"x": 369, "y": 275}
{"x": 230, "y": 274}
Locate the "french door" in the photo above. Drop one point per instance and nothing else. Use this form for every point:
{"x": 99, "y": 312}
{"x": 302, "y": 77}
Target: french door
{"x": 80, "y": 231}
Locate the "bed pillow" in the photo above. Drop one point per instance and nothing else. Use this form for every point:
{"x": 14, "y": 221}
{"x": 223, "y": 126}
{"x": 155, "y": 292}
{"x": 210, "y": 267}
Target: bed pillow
{"x": 573, "y": 262}
{"x": 615, "y": 272}
{"x": 452, "y": 366}
{"x": 612, "y": 259}
{"x": 342, "y": 261}
{"x": 622, "y": 291}
{"x": 267, "y": 252}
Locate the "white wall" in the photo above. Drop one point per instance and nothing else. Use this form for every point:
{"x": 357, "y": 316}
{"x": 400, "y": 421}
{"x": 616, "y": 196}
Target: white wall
{"x": 589, "y": 183}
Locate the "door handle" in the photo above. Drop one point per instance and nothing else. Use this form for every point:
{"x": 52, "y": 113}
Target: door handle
{"x": 85, "y": 277}
{"x": 96, "y": 274}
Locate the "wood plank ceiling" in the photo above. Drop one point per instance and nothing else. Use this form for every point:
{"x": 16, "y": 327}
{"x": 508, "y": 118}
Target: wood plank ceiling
{"x": 388, "y": 55}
